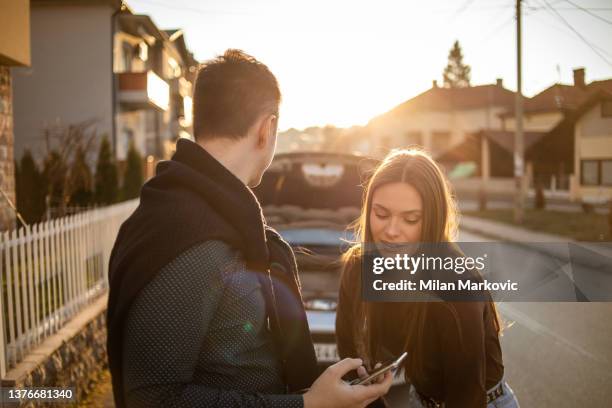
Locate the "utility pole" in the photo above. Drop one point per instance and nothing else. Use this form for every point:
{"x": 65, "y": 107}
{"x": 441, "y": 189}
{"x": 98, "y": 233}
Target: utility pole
{"x": 519, "y": 199}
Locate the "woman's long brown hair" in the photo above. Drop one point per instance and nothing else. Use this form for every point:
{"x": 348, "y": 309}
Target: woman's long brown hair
{"x": 418, "y": 169}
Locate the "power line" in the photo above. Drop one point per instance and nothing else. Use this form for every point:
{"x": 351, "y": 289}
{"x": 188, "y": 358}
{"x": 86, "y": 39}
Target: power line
{"x": 460, "y": 10}
{"x": 589, "y": 12}
{"x": 575, "y": 9}
{"x": 499, "y": 28}
{"x": 577, "y": 33}
{"x": 569, "y": 34}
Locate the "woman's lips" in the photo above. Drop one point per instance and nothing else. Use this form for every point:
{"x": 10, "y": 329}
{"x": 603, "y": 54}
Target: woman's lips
{"x": 391, "y": 246}
{"x": 397, "y": 247}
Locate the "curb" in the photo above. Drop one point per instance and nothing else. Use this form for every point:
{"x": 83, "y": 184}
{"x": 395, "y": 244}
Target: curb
{"x": 548, "y": 250}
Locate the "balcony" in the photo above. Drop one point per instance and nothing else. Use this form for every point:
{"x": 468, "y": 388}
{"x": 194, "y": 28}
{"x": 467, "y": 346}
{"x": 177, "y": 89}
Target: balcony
{"x": 143, "y": 90}
{"x": 15, "y": 33}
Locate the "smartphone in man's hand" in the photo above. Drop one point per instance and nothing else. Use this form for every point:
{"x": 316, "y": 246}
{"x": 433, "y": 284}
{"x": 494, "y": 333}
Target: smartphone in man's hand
{"x": 387, "y": 366}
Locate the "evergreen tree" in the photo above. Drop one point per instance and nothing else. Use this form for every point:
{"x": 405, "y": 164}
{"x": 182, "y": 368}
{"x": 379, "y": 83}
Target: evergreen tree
{"x": 18, "y": 183}
{"x": 55, "y": 173}
{"x": 30, "y": 189}
{"x": 107, "y": 181}
{"x": 80, "y": 180}
{"x": 456, "y": 73}
{"x": 133, "y": 177}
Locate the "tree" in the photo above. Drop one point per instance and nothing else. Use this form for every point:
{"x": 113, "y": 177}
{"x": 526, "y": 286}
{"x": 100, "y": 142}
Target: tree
{"x": 63, "y": 142}
{"x": 55, "y": 175}
{"x": 107, "y": 179}
{"x": 133, "y": 178}
{"x": 81, "y": 180}
{"x": 456, "y": 73}
{"x": 30, "y": 189}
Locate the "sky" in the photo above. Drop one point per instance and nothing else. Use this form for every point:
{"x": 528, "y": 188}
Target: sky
{"x": 342, "y": 62}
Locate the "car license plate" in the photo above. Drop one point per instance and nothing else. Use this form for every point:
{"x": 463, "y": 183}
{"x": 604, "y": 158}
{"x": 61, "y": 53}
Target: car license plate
{"x": 326, "y": 353}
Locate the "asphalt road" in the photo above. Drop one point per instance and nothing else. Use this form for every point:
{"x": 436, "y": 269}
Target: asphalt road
{"x": 557, "y": 354}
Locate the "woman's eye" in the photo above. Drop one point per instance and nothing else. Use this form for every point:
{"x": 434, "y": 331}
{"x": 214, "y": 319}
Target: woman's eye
{"x": 412, "y": 220}
{"x": 381, "y": 216}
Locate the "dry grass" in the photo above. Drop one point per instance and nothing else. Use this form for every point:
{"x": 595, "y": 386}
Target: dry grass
{"x": 580, "y": 226}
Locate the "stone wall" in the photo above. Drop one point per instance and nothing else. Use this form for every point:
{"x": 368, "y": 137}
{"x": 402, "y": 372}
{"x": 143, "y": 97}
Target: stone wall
{"x": 7, "y": 168}
{"x": 73, "y": 357}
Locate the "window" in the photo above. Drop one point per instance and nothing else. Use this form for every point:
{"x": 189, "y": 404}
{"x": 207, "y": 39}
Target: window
{"x": 606, "y": 109}
{"x": 175, "y": 69}
{"x": 126, "y": 55}
{"x": 589, "y": 173}
{"x": 596, "y": 173}
{"x": 606, "y": 172}
{"x": 143, "y": 51}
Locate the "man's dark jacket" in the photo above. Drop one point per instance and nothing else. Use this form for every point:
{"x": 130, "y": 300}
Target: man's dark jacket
{"x": 193, "y": 199}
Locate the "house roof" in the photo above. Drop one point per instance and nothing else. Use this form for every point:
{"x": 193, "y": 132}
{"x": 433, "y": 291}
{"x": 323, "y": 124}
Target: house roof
{"x": 118, "y": 4}
{"x": 469, "y": 149}
{"x": 560, "y": 97}
{"x": 447, "y": 99}
{"x": 171, "y": 32}
{"x": 594, "y": 98}
{"x": 130, "y": 23}
{"x": 573, "y": 116}
{"x": 177, "y": 37}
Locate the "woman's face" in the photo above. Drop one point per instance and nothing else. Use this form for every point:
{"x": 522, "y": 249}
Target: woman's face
{"x": 396, "y": 215}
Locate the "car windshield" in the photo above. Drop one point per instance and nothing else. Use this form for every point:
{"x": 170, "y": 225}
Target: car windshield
{"x": 298, "y": 184}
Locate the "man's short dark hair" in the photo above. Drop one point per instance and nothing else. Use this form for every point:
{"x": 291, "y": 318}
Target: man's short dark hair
{"x": 231, "y": 92}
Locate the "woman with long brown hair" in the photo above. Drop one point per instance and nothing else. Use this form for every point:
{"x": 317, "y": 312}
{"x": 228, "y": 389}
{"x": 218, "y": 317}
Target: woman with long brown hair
{"x": 454, "y": 354}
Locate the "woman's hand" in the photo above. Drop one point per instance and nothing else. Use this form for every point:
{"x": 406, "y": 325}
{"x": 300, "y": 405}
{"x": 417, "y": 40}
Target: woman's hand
{"x": 330, "y": 391}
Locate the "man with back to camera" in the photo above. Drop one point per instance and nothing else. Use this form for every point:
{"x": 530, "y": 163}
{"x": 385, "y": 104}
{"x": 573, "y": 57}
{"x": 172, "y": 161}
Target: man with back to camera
{"x": 204, "y": 306}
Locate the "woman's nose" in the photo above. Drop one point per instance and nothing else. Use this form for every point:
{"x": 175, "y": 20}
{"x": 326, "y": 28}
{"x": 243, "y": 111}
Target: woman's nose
{"x": 392, "y": 229}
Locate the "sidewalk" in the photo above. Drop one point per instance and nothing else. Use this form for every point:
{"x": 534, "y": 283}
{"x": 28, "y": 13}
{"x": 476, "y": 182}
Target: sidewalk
{"x": 524, "y": 237}
{"x": 505, "y": 232}
{"x": 101, "y": 396}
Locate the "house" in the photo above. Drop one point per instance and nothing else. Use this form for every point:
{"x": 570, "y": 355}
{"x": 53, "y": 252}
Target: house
{"x": 593, "y": 149}
{"x": 439, "y": 119}
{"x": 14, "y": 52}
{"x": 545, "y": 110}
{"x": 95, "y": 61}
{"x": 552, "y": 113}
{"x": 477, "y": 125}
{"x": 154, "y": 73}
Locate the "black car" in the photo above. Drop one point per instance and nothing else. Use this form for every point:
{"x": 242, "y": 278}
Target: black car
{"x": 311, "y": 198}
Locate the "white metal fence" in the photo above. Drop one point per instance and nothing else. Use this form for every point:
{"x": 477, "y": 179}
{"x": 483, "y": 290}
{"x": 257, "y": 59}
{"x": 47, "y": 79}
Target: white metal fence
{"x": 51, "y": 270}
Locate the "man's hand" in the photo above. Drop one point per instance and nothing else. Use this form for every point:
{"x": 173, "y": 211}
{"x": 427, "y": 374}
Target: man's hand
{"x": 330, "y": 391}
{"x": 363, "y": 373}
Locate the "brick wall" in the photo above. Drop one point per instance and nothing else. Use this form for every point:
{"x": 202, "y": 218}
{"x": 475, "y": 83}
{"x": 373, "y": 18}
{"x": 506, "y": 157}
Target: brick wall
{"x": 7, "y": 168}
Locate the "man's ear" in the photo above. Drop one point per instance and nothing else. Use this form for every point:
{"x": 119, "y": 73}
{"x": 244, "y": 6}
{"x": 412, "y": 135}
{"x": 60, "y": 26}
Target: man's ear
{"x": 267, "y": 129}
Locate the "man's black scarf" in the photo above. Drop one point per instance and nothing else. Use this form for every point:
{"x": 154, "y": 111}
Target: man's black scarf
{"x": 192, "y": 199}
